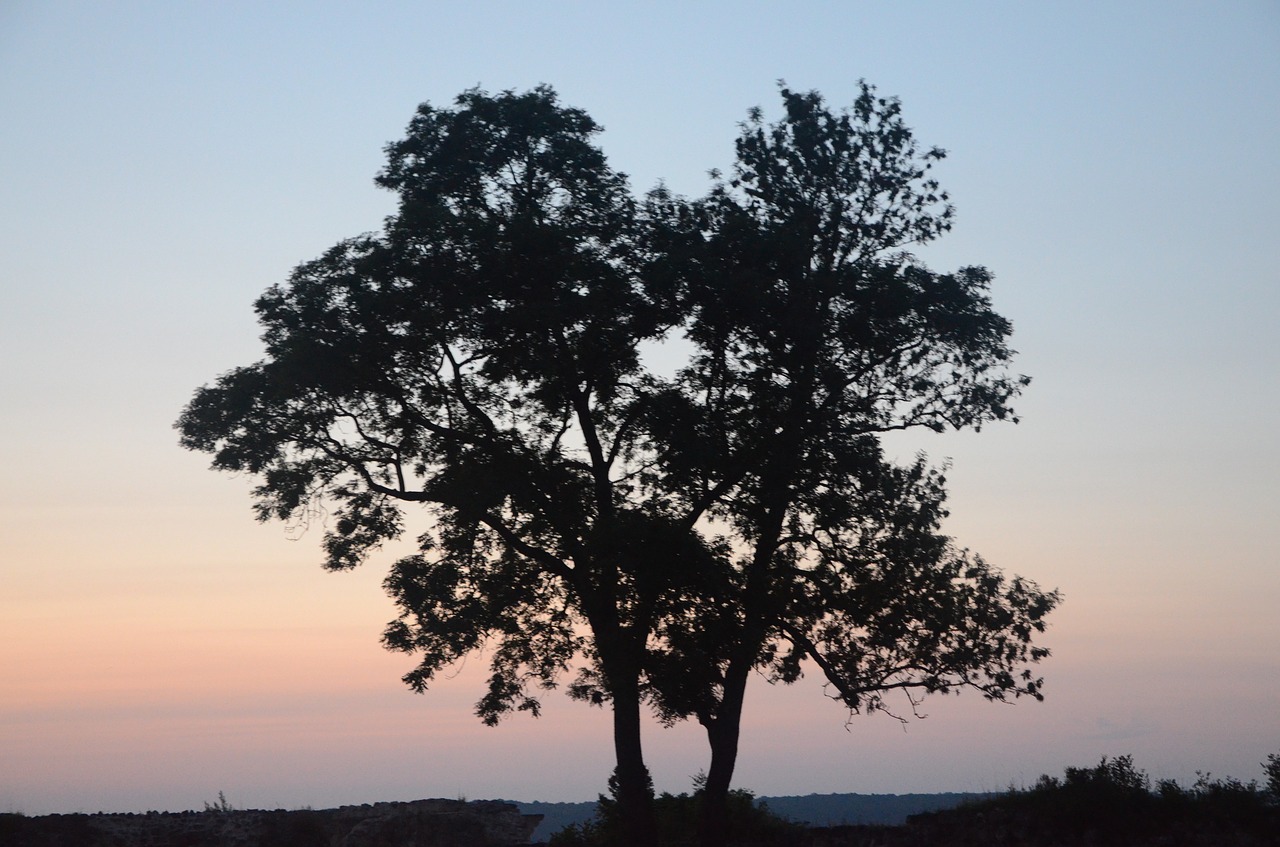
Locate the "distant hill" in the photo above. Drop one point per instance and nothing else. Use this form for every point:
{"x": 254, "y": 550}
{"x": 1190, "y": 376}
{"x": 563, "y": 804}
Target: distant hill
{"x": 812, "y": 809}
{"x": 555, "y": 816}
{"x": 880, "y": 809}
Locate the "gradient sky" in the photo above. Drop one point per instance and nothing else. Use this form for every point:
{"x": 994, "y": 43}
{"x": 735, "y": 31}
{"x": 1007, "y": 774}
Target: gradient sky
{"x": 1114, "y": 164}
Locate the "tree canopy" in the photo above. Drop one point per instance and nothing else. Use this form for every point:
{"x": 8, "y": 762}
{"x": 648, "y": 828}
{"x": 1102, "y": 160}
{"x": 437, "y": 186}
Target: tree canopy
{"x": 659, "y": 538}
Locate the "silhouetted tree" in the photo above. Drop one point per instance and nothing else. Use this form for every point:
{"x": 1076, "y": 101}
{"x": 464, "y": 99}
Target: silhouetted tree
{"x": 477, "y": 357}
{"x": 480, "y": 357}
{"x": 814, "y": 334}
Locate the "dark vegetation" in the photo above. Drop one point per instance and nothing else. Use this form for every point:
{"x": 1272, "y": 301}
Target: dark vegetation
{"x": 820, "y": 810}
{"x": 646, "y": 541}
{"x": 421, "y": 823}
{"x": 1114, "y": 803}
{"x": 1111, "y": 803}
{"x": 678, "y": 817}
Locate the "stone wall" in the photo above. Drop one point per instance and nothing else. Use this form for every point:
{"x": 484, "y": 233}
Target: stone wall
{"x": 419, "y": 823}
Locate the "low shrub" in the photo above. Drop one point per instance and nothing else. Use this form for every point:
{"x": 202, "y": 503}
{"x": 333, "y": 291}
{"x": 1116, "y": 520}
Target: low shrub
{"x": 1114, "y": 803}
{"x": 750, "y": 824}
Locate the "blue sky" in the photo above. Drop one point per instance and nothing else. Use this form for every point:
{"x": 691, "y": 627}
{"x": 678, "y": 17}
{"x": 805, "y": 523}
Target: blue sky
{"x": 1112, "y": 163}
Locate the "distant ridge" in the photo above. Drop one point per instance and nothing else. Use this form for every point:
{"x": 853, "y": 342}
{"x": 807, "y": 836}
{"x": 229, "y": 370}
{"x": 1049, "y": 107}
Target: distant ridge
{"x": 878, "y": 809}
{"x": 811, "y": 809}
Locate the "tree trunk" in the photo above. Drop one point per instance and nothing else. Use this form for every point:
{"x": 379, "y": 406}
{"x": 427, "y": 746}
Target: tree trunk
{"x": 722, "y": 736}
{"x": 632, "y": 785}
{"x": 725, "y": 724}
{"x": 619, "y": 662}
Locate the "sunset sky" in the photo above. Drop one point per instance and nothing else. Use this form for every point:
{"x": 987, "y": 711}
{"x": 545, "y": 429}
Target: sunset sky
{"x": 1115, "y": 165}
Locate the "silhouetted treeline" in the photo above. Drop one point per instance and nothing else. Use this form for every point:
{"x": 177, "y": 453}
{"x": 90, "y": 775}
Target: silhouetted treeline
{"x": 1111, "y": 803}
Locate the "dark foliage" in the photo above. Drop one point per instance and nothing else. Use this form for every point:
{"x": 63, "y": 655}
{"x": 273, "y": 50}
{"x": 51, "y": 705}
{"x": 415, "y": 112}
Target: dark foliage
{"x": 816, "y": 332}
{"x": 655, "y": 539}
{"x": 749, "y": 824}
{"x": 1271, "y": 767}
{"x": 299, "y": 828}
{"x": 478, "y": 358}
{"x": 1113, "y": 803}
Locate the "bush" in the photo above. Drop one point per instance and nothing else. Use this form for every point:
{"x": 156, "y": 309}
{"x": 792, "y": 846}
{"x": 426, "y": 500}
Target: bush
{"x": 750, "y": 824}
{"x": 222, "y": 806}
{"x": 1113, "y": 803}
{"x": 1112, "y": 796}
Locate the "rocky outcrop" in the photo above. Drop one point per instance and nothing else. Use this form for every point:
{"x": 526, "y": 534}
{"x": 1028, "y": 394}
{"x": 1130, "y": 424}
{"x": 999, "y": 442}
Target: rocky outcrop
{"x": 420, "y": 823}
